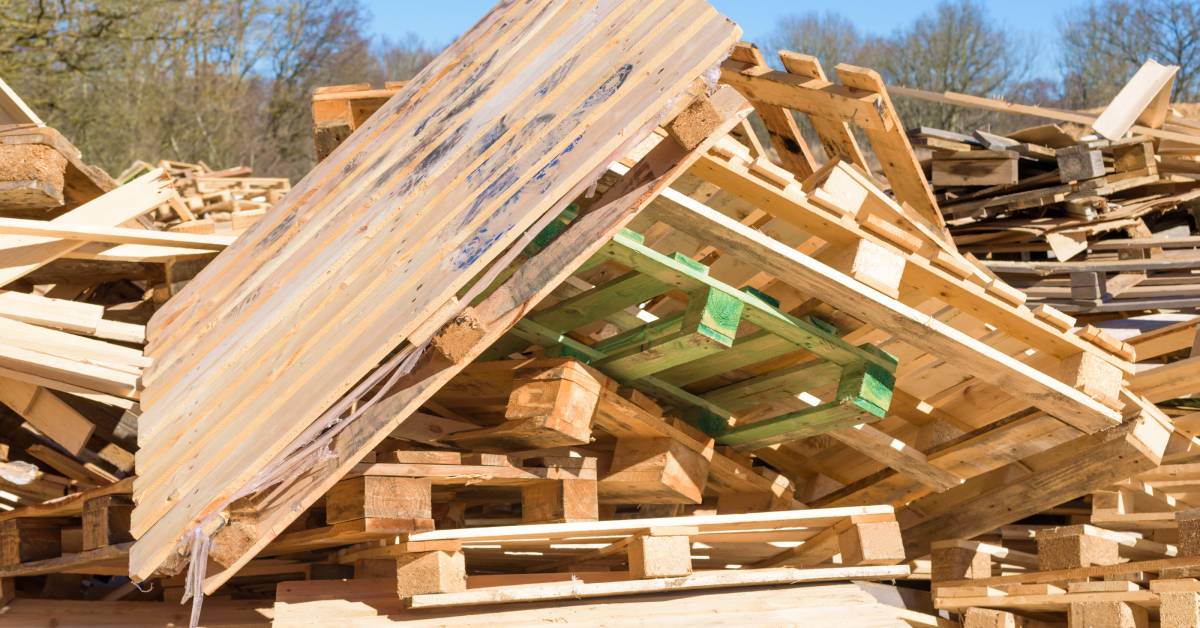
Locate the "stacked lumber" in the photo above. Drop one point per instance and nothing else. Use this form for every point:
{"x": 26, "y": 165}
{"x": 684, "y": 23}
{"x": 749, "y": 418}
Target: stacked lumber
{"x": 1083, "y": 575}
{"x": 211, "y": 201}
{"x": 1095, "y": 217}
{"x": 83, "y": 269}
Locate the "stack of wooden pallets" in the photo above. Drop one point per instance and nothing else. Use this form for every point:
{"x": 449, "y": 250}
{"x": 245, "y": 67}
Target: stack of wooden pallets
{"x": 1096, "y": 221}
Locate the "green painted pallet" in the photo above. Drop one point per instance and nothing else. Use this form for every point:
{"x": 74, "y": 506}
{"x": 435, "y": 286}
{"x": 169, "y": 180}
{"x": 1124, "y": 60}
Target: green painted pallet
{"x": 662, "y": 356}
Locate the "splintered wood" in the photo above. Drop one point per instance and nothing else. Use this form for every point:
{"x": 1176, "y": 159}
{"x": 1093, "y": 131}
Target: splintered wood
{"x": 443, "y": 178}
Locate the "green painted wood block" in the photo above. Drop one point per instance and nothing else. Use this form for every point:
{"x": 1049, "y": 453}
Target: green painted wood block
{"x": 706, "y": 420}
{"x": 552, "y": 230}
{"x": 867, "y": 385}
{"x": 714, "y": 313}
{"x": 708, "y": 326}
{"x": 762, "y": 296}
{"x": 630, "y": 234}
{"x": 690, "y": 263}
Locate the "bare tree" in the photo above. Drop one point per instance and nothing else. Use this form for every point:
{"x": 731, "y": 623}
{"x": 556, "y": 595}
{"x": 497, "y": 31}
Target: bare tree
{"x": 956, "y": 47}
{"x": 828, "y": 36}
{"x": 222, "y": 81}
{"x": 1103, "y": 44}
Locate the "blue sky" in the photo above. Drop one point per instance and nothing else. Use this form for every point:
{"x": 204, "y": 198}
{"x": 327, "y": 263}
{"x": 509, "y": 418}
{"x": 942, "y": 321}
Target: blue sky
{"x": 441, "y": 22}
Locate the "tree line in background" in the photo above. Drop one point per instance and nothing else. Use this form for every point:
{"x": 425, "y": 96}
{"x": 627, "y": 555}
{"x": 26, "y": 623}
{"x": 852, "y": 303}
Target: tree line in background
{"x": 958, "y": 46}
{"x": 228, "y": 81}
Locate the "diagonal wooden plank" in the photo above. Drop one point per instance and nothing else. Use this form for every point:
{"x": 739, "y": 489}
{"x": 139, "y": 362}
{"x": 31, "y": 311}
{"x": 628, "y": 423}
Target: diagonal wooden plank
{"x": 890, "y": 144}
{"x": 785, "y": 135}
{"x": 497, "y": 313}
{"x": 21, "y": 255}
{"x": 835, "y": 135}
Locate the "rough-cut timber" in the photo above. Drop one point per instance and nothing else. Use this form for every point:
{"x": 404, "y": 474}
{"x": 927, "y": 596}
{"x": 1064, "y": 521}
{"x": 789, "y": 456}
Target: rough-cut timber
{"x": 511, "y": 121}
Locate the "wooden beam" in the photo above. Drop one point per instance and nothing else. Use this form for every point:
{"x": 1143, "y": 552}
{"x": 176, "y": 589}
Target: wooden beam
{"x": 906, "y": 323}
{"x": 21, "y": 255}
{"x": 1010, "y": 493}
{"x": 699, "y": 580}
{"x": 499, "y": 311}
{"x": 452, "y": 171}
{"x": 113, "y": 235}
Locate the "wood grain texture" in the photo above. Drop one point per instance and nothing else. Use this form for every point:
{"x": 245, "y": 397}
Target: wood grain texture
{"x": 518, "y": 114}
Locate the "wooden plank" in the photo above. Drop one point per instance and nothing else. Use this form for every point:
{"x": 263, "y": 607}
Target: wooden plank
{"x": 21, "y": 255}
{"x": 836, "y": 137}
{"x": 13, "y": 110}
{"x": 975, "y": 168}
{"x": 112, "y": 235}
{"x": 498, "y": 312}
{"x": 47, "y": 413}
{"x": 785, "y": 136}
{"x": 68, "y": 505}
{"x": 495, "y": 182}
{"x": 891, "y": 146}
{"x": 1061, "y": 473}
{"x": 878, "y": 445}
{"x": 1150, "y": 88}
{"x": 700, "y": 580}
{"x": 994, "y": 104}
{"x": 105, "y": 561}
{"x": 302, "y": 603}
{"x": 812, "y": 518}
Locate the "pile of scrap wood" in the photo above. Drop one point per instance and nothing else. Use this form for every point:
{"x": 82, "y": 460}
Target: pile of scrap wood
{"x": 1095, "y": 221}
{"x": 554, "y": 332}
{"x": 211, "y": 201}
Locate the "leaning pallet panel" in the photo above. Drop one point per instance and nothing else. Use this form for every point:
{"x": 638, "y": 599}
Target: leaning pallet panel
{"x": 600, "y": 102}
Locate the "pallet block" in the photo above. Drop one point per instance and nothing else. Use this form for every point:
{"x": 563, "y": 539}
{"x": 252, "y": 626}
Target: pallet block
{"x": 1180, "y": 609}
{"x": 870, "y": 543}
{"x": 559, "y": 501}
{"x": 654, "y": 471}
{"x": 1072, "y": 546}
{"x": 438, "y": 571}
{"x": 32, "y": 177}
{"x": 950, "y": 560}
{"x": 106, "y": 521}
{"x": 378, "y": 497}
{"x": 660, "y": 554}
{"x": 548, "y": 407}
{"x": 25, "y": 540}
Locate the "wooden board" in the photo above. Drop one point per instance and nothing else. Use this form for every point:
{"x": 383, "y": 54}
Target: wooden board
{"x": 501, "y": 165}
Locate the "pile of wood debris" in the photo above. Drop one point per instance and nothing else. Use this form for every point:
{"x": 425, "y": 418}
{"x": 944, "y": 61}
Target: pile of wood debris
{"x": 211, "y": 201}
{"x": 576, "y": 326}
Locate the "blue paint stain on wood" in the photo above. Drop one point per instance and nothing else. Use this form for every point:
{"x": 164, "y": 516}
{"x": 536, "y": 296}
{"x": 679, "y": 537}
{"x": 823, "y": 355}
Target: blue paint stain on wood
{"x": 499, "y": 223}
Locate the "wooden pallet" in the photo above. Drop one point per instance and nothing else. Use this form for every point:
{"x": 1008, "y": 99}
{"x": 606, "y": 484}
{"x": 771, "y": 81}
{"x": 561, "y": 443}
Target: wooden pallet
{"x": 702, "y": 340}
{"x": 429, "y": 568}
{"x": 861, "y": 101}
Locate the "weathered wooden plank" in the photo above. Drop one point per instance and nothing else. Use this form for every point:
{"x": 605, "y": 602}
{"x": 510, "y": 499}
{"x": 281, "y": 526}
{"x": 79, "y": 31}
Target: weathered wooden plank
{"x": 499, "y": 311}
{"x": 448, "y": 181}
